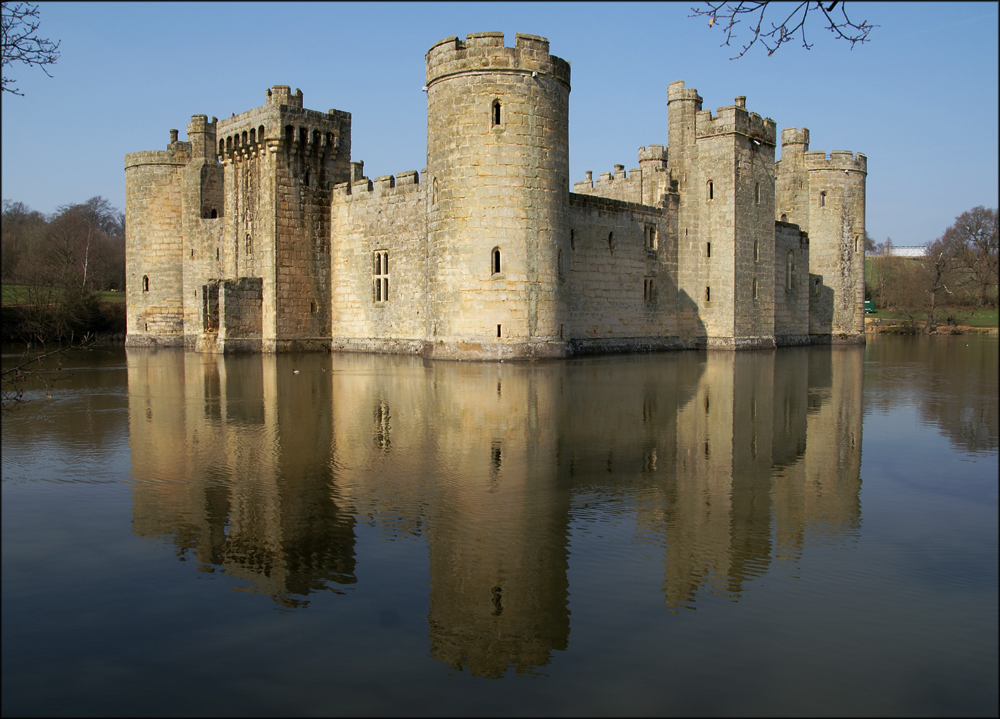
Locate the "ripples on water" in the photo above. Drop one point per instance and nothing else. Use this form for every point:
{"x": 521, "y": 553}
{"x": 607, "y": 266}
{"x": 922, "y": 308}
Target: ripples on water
{"x": 651, "y": 522}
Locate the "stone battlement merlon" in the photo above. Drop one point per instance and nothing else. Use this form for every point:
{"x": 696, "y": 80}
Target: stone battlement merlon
{"x": 817, "y": 160}
{"x": 485, "y": 51}
{"x": 734, "y": 119}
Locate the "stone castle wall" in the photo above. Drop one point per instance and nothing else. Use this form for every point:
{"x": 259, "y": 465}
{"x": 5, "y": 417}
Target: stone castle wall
{"x": 791, "y": 285}
{"x": 622, "y": 285}
{"x": 382, "y": 308}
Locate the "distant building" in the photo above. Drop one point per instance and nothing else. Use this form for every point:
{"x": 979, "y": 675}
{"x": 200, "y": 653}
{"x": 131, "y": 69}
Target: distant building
{"x": 907, "y": 251}
{"x": 260, "y": 234}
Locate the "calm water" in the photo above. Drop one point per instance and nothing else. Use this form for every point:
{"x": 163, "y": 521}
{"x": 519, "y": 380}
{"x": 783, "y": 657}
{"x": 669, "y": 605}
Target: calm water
{"x": 802, "y": 531}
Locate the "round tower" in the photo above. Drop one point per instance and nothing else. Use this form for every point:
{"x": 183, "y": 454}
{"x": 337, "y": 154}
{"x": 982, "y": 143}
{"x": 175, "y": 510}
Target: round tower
{"x": 837, "y": 187}
{"x": 154, "y": 244}
{"x": 498, "y": 175}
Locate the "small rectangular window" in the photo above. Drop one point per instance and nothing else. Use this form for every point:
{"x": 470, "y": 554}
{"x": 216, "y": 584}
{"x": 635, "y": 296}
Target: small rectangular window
{"x": 380, "y": 276}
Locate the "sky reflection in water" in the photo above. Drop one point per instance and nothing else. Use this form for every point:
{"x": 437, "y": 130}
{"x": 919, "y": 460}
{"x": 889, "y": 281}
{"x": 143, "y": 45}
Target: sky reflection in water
{"x": 628, "y": 530}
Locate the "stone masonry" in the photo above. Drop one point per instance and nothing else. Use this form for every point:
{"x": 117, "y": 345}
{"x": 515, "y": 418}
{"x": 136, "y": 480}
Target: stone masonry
{"x": 260, "y": 234}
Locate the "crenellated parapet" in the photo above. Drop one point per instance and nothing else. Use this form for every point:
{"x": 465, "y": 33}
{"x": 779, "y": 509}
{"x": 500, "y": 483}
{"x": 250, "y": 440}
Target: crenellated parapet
{"x": 793, "y": 138}
{"x": 363, "y": 188}
{"x": 481, "y": 50}
{"x": 735, "y": 120}
{"x": 653, "y": 156}
{"x": 283, "y": 124}
{"x": 177, "y": 153}
{"x": 844, "y": 160}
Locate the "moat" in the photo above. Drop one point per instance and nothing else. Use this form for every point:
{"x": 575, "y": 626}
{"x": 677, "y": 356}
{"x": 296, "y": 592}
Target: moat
{"x": 810, "y": 530}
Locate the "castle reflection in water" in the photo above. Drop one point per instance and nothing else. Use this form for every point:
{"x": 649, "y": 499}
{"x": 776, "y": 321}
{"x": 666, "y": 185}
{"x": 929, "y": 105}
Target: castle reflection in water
{"x": 262, "y": 466}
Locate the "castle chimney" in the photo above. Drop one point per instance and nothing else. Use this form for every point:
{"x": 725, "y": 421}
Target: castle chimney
{"x": 741, "y": 102}
{"x": 173, "y": 136}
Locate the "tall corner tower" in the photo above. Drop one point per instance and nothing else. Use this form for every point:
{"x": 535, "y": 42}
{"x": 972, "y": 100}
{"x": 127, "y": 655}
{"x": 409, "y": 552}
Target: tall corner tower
{"x": 727, "y": 219}
{"x": 836, "y": 205}
{"x": 154, "y": 244}
{"x": 498, "y": 166}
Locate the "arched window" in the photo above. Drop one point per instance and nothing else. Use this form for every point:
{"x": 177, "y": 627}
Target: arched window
{"x": 784, "y": 217}
{"x": 559, "y": 262}
{"x": 434, "y": 195}
{"x": 756, "y": 251}
{"x": 756, "y": 193}
{"x": 711, "y": 190}
{"x": 822, "y": 199}
{"x": 145, "y": 283}
{"x": 215, "y": 214}
{"x": 260, "y": 134}
{"x": 495, "y": 113}
{"x": 611, "y": 242}
{"x": 496, "y": 261}
{"x": 790, "y": 271}
{"x": 253, "y": 136}
{"x": 249, "y": 244}
{"x": 753, "y": 285}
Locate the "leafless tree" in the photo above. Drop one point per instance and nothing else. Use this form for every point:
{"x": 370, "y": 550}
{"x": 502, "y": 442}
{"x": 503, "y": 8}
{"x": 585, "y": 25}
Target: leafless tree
{"x": 939, "y": 270}
{"x": 728, "y": 15}
{"x": 21, "y": 43}
{"x": 972, "y": 242}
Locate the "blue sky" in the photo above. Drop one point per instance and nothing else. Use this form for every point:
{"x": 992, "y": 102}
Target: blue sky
{"x": 920, "y": 100}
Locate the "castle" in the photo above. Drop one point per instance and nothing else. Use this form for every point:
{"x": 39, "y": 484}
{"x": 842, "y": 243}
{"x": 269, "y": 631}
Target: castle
{"x": 259, "y": 233}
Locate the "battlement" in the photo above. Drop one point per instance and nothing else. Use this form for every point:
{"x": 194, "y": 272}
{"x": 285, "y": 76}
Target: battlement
{"x": 360, "y": 187}
{"x": 177, "y": 153}
{"x": 282, "y": 95}
{"x": 817, "y": 160}
{"x": 795, "y": 136}
{"x": 281, "y": 123}
{"x": 656, "y": 155}
{"x": 676, "y": 92}
{"x": 735, "y": 119}
{"x": 485, "y": 52}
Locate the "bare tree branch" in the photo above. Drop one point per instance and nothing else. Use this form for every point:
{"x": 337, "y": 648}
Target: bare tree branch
{"x": 22, "y": 44}
{"x": 730, "y": 14}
